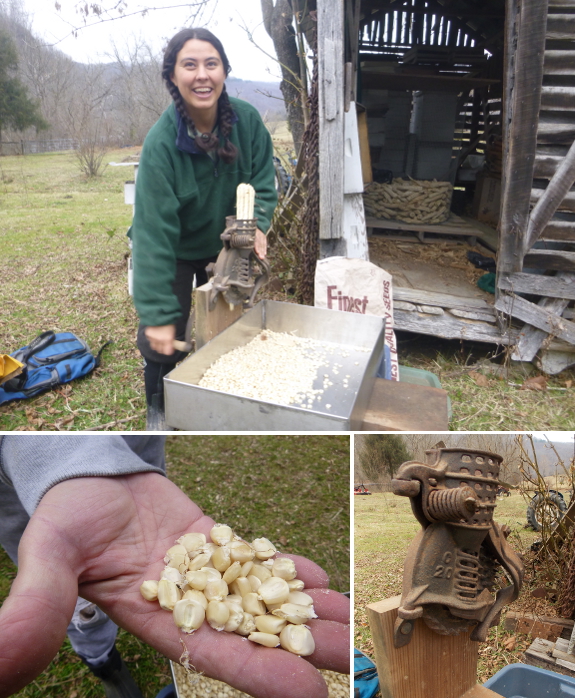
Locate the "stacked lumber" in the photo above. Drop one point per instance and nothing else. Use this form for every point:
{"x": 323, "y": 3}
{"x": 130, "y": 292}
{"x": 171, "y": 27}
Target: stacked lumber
{"x": 552, "y": 656}
{"x": 409, "y": 200}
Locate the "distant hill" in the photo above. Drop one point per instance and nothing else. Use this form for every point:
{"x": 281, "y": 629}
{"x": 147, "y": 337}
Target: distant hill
{"x": 119, "y": 99}
{"x": 266, "y": 97}
{"x": 546, "y": 458}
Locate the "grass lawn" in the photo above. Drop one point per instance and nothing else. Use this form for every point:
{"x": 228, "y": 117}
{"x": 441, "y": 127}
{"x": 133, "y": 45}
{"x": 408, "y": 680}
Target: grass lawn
{"x": 384, "y": 527}
{"x": 293, "y": 490}
{"x": 63, "y": 267}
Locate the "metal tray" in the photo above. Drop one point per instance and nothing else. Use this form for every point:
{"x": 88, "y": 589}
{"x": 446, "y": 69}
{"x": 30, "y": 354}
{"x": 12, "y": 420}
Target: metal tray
{"x": 357, "y": 339}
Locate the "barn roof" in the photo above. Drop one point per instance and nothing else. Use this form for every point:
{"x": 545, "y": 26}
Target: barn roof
{"x": 392, "y": 28}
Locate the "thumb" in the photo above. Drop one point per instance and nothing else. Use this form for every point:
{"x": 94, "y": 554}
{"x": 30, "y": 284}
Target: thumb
{"x": 34, "y": 619}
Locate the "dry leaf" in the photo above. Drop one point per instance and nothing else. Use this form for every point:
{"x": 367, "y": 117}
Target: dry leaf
{"x": 568, "y": 383}
{"x": 479, "y": 379}
{"x": 535, "y": 383}
{"x": 510, "y": 644}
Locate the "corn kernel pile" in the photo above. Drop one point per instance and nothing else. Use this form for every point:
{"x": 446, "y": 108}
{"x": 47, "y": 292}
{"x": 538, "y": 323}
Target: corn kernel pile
{"x": 281, "y": 368}
{"x": 236, "y": 587}
{"x": 199, "y": 686}
{"x": 274, "y": 366}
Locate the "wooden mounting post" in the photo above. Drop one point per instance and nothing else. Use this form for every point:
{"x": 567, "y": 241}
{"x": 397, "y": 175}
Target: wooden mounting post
{"x": 430, "y": 666}
{"x": 479, "y": 691}
{"x": 209, "y": 323}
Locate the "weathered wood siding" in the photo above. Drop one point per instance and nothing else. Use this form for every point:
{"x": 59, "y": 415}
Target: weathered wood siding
{"x": 330, "y": 29}
{"x": 525, "y": 41}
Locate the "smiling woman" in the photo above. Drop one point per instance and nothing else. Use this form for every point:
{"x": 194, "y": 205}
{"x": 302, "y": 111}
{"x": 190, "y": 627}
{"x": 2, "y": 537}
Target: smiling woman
{"x": 193, "y": 159}
{"x": 199, "y": 77}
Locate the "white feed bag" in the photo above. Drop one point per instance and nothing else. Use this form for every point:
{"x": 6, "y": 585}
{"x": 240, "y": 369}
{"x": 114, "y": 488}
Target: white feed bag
{"x": 357, "y": 286}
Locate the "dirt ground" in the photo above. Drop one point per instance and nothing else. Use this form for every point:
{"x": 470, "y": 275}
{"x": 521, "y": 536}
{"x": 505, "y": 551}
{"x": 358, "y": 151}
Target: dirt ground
{"x": 441, "y": 267}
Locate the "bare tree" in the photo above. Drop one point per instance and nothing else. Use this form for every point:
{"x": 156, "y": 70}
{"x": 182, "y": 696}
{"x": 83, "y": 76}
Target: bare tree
{"x": 141, "y": 96}
{"x": 92, "y": 13}
{"x": 51, "y": 77}
{"x": 418, "y": 444}
{"x": 504, "y": 445}
{"x": 380, "y": 455}
{"x": 278, "y": 20}
{"x": 90, "y": 119}
{"x": 13, "y": 12}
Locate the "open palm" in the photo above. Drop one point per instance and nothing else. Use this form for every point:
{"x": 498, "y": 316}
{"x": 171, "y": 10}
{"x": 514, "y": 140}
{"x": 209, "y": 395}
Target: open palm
{"x": 101, "y": 538}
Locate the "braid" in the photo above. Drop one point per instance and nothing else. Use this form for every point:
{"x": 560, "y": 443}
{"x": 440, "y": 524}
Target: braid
{"x": 179, "y": 104}
{"x": 210, "y": 141}
{"x": 207, "y": 141}
{"x": 228, "y": 152}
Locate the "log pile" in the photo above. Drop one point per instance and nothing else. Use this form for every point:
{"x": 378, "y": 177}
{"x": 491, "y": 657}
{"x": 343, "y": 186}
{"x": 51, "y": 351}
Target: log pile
{"x": 409, "y": 200}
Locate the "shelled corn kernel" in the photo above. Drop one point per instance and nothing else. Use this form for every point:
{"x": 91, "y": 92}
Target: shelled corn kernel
{"x": 235, "y": 586}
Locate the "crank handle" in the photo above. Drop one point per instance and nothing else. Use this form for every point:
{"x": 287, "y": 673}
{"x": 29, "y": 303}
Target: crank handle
{"x": 182, "y": 346}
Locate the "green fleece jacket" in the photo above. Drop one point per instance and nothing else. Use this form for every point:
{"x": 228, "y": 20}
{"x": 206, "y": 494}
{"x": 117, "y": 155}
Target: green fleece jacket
{"x": 182, "y": 199}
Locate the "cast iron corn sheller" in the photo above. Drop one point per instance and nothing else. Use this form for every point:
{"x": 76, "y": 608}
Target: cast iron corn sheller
{"x": 451, "y": 564}
{"x": 238, "y": 273}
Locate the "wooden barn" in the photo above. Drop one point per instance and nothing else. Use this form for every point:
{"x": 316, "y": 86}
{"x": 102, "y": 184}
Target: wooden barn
{"x": 478, "y": 95}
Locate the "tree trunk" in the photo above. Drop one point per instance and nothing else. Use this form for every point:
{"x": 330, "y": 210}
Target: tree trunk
{"x": 278, "y": 21}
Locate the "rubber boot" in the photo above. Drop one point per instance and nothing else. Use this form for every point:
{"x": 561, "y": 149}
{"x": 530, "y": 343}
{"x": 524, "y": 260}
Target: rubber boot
{"x": 155, "y": 415}
{"x": 115, "y": 677}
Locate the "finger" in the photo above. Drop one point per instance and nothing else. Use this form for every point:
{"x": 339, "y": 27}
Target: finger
{"x": 330, "y": 605}
{"x": 332, "y": 645}
{"x": 260, "y": 244}
{"x": 162, "y": 347}
{"x": 261, "y": 672}
{"x": 39, "y": 606}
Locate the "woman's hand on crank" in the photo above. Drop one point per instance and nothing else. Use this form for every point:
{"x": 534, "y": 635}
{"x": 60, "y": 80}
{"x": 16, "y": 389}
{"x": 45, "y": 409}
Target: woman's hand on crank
{"x": 161, "y": 338}
{"x": 101, "y": 537}
{"x": 260, "y": 244}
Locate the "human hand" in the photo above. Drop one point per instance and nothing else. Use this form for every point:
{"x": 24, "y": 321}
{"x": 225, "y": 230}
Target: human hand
{"x": 260, "y": 244}
{"x": 101, "y": 538}
{"x": 161, "y": 338}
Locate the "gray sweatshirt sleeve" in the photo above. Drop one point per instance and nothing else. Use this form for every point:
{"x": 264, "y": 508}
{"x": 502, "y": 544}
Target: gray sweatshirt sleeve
{"x": 34, "y": 464}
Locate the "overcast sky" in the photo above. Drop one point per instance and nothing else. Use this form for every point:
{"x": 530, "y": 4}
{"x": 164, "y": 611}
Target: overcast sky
{"x": 93, "y": 43}
{"x": 555, "y": 435}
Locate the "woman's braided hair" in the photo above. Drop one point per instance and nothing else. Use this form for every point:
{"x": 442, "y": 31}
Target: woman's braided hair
{"x": 228, "y": 151}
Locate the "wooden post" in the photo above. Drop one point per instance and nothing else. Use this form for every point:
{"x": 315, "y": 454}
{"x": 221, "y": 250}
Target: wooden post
{"x": 481, "y": 692}
{"x": 526, "y": 22}
{"x": 330, "y": 50}
{"x": 209, "y": 323}
{"x": 430, "y": 666}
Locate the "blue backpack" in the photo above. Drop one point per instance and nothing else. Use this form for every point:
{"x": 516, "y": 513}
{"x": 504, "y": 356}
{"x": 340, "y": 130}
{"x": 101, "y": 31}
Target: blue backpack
{"x": 52, "y": 358}
{"x": 365, "y": 680}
